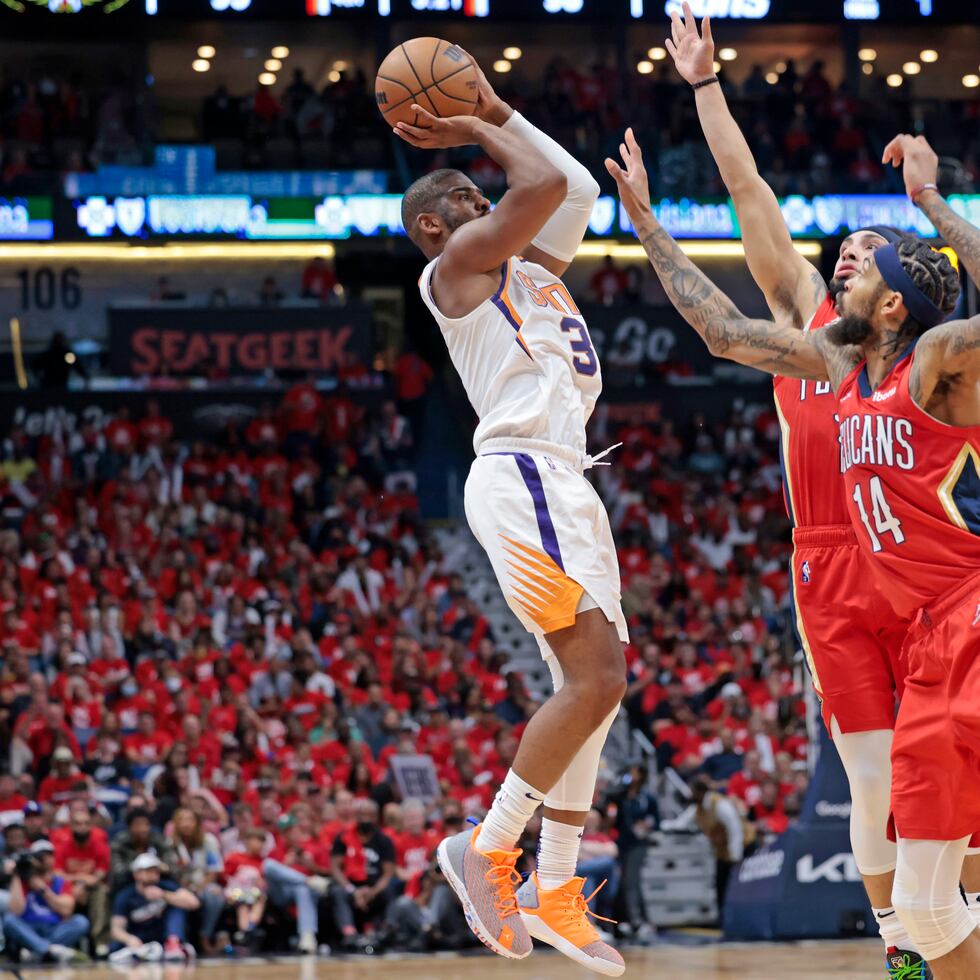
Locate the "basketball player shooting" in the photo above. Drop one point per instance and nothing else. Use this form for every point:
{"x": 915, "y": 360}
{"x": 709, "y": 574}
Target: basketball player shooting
{"x": 850, "y": 636}
{"x": 523, "y": 352}
{"x": 907, "y": 394}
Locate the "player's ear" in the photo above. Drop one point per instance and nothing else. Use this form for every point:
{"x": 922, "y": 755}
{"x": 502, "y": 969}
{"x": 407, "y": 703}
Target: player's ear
{"x": 430, "y": 224}
{"x": 890, "y": 303}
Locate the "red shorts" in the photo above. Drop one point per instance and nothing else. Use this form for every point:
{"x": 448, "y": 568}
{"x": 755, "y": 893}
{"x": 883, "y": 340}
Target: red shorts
{"x": 850, "y": 635}
{"x": 936, "y": 753}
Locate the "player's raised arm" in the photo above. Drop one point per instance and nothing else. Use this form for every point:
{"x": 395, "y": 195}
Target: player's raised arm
{"x": 920, "y": 169}
{"x": 792, "y": 286}
{"x": 728, "y": 332}
{"x": 535, "y": 190}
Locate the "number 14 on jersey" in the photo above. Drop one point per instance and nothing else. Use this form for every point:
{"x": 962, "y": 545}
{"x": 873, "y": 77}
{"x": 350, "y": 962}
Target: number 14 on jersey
{"x": 885, "y": 522}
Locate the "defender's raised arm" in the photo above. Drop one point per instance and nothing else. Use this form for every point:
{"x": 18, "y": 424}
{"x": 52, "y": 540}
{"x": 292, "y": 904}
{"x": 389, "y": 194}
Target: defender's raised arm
{"x": 792, "y": 286}
{"x": 729, "y": 333}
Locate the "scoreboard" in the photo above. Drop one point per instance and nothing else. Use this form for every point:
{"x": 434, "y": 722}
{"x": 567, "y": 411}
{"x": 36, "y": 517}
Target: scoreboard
{"x": 781, "y": 11}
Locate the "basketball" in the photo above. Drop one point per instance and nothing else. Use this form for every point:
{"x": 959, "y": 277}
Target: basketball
{"x": 430, "y": 72}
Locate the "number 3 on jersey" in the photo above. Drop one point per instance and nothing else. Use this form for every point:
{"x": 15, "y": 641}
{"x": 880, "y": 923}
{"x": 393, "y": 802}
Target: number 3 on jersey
{"x": 585, "y": 360}
{"x": 885, "y": 520}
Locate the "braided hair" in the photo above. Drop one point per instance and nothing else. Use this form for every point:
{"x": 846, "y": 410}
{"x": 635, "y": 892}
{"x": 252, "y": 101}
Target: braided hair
{"x": 933, "y": 273}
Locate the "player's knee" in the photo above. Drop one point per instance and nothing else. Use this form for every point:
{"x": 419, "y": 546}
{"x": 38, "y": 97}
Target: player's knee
{"x": 932, "y": 912}
{"x": 599, "y": 695}
{"x": 871, "y": 796}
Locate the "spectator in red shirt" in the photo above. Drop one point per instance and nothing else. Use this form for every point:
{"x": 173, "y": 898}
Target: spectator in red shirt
{"x": 320, "y": 281}
{"x": 12, "y": 803}
{"x": 57, "y": 788}
{"x": 245, "y": 887}
{"x": 148, "y": 745}
{"x": 83, "y": 859}
{"x": 415, "y": 844}
{"x": 608, "y": 283}
{"x": 155, "y": 429}
{"x": 768, "y": 814}
{"x": 122, "y": 434}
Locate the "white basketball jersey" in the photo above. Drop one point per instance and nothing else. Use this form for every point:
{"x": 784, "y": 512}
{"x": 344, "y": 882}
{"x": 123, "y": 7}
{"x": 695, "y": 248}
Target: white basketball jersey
{"x": 525, "y": 358}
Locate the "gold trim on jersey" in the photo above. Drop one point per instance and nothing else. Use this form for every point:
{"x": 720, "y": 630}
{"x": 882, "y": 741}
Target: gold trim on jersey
{"x": 945, "y": 491}
{"x": 784, "y": 430}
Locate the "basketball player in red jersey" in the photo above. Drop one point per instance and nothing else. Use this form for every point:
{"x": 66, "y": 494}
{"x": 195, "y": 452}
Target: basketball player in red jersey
{"x": 849, "y": 635}
{"x": 907, "y": 391}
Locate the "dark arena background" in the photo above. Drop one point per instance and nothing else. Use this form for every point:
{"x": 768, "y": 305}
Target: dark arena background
{"x": 249, "y": 644}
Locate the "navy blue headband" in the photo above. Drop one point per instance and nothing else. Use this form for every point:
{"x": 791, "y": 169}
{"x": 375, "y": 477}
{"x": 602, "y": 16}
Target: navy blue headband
{"x": 889, "y": 234}
{"x": 922, "y": 308}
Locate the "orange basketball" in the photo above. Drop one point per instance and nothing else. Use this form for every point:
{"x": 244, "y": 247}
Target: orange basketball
{"x": 430, "y": 72}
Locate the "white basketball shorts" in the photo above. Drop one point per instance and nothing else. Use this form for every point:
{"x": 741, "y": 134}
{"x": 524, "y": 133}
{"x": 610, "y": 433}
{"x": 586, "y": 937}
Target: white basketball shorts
{"x": 547, "y": 534}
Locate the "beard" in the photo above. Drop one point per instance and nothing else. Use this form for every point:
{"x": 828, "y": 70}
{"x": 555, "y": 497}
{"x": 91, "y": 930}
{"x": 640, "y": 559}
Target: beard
{"x": 849, "y": 331}
{"x": 835, "y": 287}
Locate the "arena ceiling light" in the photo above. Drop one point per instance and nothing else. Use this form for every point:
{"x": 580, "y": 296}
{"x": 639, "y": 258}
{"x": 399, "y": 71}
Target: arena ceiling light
{"x": 267, "y": 78}
{"x": 780, "y": 66}
{"x": 772, "y": 77}
{"x": 716, "y": 66}
{"x": 273, "y": 64}
{"x": 971, "y": 81}
{"x": 867, "y": 54}
{"x": 929, "y": 56}
{"x": 280, "y": 51}
{"x": 340, "y": 65}
{"x": 727, "y": 54}
{"x": 644, "y": 67}
{"x": 868, "y": 68}
{"x": 201, "y": 65}
{"x": 512, "y": 54}
{"x": 206, "y": 51}
{"x": 502, "y": 66}
{"x": 657, "y": 54}
{"x": 894, "y": 81}
{"x": 911, "y": 68}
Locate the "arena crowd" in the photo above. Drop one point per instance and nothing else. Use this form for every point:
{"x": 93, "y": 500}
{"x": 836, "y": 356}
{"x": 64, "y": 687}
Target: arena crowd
{"x": 214, "y": 649}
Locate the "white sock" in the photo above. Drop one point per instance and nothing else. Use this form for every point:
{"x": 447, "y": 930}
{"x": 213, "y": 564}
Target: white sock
{"x": 892, "y": 931}
{"x": 973, "y": 904}
{"x": 513, "y": 806}
{"x": 557, "y": 853}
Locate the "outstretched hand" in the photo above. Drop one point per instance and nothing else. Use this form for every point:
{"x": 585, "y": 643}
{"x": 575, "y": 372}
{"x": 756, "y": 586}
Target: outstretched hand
{"x": 437, "y": 133}
{"x": 693, "y": 53}
{"x": 917, "y": 158}
{"x": 634, "y": 188}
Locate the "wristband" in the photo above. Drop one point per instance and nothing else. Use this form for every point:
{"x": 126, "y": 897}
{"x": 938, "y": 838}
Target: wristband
{"x": 713, "y": 80}
{"x": 916, "y": 191}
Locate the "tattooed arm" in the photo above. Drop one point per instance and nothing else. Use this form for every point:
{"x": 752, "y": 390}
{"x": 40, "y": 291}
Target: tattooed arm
{"x": 728, "y": 332}
{"x": 920, "y": 166}
{"x": 793, "y": 288}
{"x": 945, "y": 377}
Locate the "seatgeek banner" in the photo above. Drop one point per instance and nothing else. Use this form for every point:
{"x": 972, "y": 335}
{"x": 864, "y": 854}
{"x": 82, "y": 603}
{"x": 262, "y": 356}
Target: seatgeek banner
{"x": 155, "y": 341}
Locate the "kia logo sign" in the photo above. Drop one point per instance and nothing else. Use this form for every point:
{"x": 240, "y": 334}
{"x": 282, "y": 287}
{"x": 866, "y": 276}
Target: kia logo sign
{"x": 837, "y": 869}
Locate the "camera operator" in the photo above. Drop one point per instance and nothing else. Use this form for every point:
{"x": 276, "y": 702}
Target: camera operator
{"x": 42, "y": 915}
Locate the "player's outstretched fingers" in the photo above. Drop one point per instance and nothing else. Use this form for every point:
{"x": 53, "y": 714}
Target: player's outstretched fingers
{"x": 676, "y": 28}
{"x": 632, "y": 144}
{"x": 672, "y": 51}
{"x": 706, "y": 29}
{"x": 895, "y": 150}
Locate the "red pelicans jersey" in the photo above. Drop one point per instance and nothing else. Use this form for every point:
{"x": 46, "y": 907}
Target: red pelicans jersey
{"x": 912, "y": 488}
{"x": 808, "y": 448}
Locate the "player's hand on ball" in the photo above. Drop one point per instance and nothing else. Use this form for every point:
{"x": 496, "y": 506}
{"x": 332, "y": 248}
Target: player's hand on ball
{"x": 435, "y": 133}
{"x": 921, "y": 165}
{"x": 693, "y": 53}
{"x": 490, "y": 107}
{"x": 634, "y": 188}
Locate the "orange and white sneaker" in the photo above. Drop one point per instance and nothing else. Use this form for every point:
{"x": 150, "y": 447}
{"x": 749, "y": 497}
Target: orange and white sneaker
{"x": 560, "y": 918}
{"x": 485, "y": 882}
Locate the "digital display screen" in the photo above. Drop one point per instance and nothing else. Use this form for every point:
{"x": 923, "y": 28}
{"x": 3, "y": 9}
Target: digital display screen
{"x": 336, "y": 217}
{"x": 827, "y": 11}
